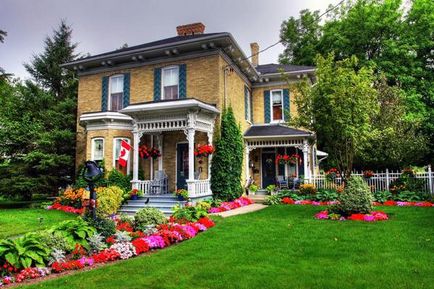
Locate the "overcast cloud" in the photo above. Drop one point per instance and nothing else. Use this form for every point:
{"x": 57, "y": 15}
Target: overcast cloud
{"x": 104, "y": 25}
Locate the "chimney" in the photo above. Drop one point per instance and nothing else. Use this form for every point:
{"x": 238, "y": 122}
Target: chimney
{"x": 190, "y": 29}
{"x": 254, "y": 47}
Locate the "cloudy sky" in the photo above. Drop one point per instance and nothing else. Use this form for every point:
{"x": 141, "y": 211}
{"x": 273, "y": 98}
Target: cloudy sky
{"x": 104, "y": 25}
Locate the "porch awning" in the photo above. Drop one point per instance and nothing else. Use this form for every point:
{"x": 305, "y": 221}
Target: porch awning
{"x": 275, "y": 131}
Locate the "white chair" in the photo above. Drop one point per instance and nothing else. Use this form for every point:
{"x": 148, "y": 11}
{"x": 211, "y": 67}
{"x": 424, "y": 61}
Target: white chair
{"x": 159, "y": 184}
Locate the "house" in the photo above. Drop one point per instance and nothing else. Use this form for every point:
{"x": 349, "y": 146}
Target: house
{"x": 168, "y": 95}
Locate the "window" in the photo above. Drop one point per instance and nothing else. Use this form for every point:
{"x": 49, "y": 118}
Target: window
{"x": 249, "y": 105}
{"x": 276, "y": 105}
{"x": 170, "y": 81}
{"x": 97, "y": 153}
{"x": 116, "y": 152}
{"x": 116, "y": 92}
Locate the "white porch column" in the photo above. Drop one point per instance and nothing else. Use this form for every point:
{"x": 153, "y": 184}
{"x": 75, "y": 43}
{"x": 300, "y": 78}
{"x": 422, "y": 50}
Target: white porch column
{"x": 210, "y": 137}
{"x": 136, "y": 139}
{"x": 190, "y": 138}
{"x": 160, "y": 148}
{"x": 305, "y": 160}
{"x": 151, "y": 162}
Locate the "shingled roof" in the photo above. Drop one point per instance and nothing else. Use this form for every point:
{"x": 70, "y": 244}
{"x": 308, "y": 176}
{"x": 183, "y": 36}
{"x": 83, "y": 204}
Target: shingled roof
{"x": 274, "y": 130}
{"x": 276, "y": 68}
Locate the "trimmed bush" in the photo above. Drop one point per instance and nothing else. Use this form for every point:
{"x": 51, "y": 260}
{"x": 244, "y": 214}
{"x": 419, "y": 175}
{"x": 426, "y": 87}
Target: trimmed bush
{"x": 109, "y": 200}
{"x": 148, "y": 216}
{"x": 355, "y": 199}
{"x": 116, "y": 178}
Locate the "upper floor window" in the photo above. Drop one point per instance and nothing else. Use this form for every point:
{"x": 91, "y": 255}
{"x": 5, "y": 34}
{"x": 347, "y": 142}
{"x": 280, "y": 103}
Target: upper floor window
{"x": 97, "y": 152}
{"x": 248, "y": 105}
{"x": 276, "y": 105}
{"x": 170, "y": 82}
{"x": 116, "y": 92}
{"x": 116, "y": 151}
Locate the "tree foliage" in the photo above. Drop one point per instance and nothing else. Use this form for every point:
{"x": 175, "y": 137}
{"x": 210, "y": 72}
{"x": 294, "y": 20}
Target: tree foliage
{"x": 227, "y": 161}
{"x": 392, "y": 38}
{"x": 37, "y": 133}
{"x": 340, "y": 108}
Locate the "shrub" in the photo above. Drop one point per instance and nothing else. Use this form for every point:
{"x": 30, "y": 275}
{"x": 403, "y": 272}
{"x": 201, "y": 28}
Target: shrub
{"x": 270, "y": 188}
{"x": 273, "y": 200}
{"x": 55, "y": 241}
{"x": 116, "y": 178}
{"x": 109, "y": 200}
{"x": 408, "y": 196}
{"x": 324, "y": 195}
{"x": 72, "y": 198}
{"x": 24, "y": 252}
{"x": 105, "y": 226}
{"x": 204, "y": 205}
{"x": 75, "y": 232}
{"x": 291, "y": 194}
{"x": 307, "y": 189}
{"x": 189, "y": 213}
{"x": 406, "y": 182}
{"x": 382, "y": 196}
{"x": 355, "y": 199}
{"x": 148, "y": 216}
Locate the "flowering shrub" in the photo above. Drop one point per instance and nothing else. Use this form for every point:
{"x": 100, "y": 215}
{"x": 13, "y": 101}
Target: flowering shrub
{"x": 308, "y": 189}
{"x": 149, "y": 152}
{"x": 368, "y": 174}
{"x": 105, "y": 256}
{"x": 204, "y": 150}
{"x": 68, "y": 209}
{"x": 124, "y": 226}
{"x": 72, "y": 197}
{"x": 288, "y": 159}
{"x": 227, "y": 206}
{"x": 371, "y": 217}
{"x": 155, "y": 242}
{"x": 331, "y": 174}
{"x": 140, "y": 245}
{"x": 207, "y": 222}
{"x": 126, "y": 250}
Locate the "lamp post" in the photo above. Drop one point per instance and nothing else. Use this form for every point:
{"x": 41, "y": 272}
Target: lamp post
{"x": 91, "y": 174}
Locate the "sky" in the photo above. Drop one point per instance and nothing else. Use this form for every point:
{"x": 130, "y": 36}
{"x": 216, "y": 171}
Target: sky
{"x": 104, "y": 25}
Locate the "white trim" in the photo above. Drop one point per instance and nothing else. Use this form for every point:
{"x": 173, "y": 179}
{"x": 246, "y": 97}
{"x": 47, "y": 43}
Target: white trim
{"x": 114, "y": 152}
{"x": 249, "y": 117}
{"x": 278, "y": 136}
{"x": 112, "y": 115}
{"x": 271, "y": 106}
{"x": 162, "y": 96}
{"x": 92, "y": 151}
{"x": 109, "y": 100}
{"x": 174, "y": 104}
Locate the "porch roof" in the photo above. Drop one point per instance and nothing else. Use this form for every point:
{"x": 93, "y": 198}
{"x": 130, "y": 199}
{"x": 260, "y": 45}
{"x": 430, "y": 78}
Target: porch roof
{"x": 275, "y": 130}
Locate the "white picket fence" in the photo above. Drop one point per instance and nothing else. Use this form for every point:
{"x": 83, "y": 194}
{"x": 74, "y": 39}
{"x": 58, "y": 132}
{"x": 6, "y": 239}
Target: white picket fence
{"x": 380, "y": 181}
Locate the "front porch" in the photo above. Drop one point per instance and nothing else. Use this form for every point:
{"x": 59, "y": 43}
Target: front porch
{"x": 175, "y": 128}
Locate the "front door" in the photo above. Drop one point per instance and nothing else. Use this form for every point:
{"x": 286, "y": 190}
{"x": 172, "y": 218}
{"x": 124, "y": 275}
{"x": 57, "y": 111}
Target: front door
{"x": 268, "y": 169}
{"x": 181, "y": 165}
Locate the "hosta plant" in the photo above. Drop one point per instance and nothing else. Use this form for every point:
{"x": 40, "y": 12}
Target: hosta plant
{"x": 75, "y": 232}
{"x": 24, "y": 252}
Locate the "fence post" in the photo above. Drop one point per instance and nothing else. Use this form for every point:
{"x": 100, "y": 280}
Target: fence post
{"x": 430, "y": 179}
{"x": 387, "y": 179}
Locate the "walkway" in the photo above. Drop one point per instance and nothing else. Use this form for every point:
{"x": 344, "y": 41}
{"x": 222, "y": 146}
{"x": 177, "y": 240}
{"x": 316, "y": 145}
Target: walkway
{"x": 241, "y": 210}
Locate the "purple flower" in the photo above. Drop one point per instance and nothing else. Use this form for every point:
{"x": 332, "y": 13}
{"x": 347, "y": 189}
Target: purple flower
{"x": 369, "y": 218}
{"x": 315, "y": 203}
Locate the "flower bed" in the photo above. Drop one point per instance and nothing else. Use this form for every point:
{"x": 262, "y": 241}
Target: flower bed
{"x": 124, "y": 245}
{"x": 68, "y": 209}
{"x": 289, "y": 201}
{"x": 372, "y": 217}
{"x": 227, "y": 206}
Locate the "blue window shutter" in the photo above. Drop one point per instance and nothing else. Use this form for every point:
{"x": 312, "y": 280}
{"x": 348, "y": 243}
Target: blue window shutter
{"x": 245, "y": 103}
{"x": 267, "y": 112}
{"x": 126, "y": 100}
{"x": 183, "y": 81}
{"x": 104, "y": 94}
{"x": 157, "y": 83}
{"x": 286, "y": 103}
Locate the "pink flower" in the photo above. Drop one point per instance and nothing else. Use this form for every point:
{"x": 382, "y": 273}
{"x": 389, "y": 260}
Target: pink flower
{"x": 369, "y": 218}
{"x": 315, "y": 203}
{"x": 322, "y": 215}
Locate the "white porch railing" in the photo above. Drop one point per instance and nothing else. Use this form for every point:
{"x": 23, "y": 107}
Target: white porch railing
{"x": 144, "y": 186}
{"x": 380, "y": 181}
{"x": 199, "y": 188}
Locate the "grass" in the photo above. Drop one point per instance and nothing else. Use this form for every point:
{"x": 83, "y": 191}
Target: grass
{"x": 283, "y": 247}
{"x": 19, "y": 221}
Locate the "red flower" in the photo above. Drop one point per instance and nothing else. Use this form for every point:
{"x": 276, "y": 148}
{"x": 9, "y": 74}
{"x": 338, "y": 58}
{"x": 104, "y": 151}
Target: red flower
{"x": 204, "y": 150}
{"x": 110, "y": 240}
{"x": 207, "y": 222}
{"x": 389, "y": 203}
{"x": 140, "y": 245}
{"x": 288, "y": 201}
{"x": 357, "y": 217}
{"x": 124, "y": 227}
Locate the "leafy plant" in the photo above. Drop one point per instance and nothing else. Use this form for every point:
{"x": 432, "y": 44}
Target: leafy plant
{"x": 253, "y": 188}
{"x": 104, "y": 226}
{"x": 408, "y": 196}
{"x": 204, "y": 205}
{"x": 109, "y": 200}
{"x": 407, "y": 181}
{"x": 307, "y": 189}
{"x": 189, "y": 213}
{"x": 54, "y": 240}
{"x": 273, "y": 200}
{"x": 270, "y": 189}
{"x": 116, "y": 178}
{"x": 356, "y": 198}
{"x": 24, "y": 252}
{"x": 148, "y": 216}
{"x": 382, "y": 196}
{"x": 75, "y": 232}
{"x": 324, "y": 195}
{"x": 291, "y": 194}
{"x": 122, "y": 236}
{"x": 96, "y": 243}
{"x": 57, "y": 255}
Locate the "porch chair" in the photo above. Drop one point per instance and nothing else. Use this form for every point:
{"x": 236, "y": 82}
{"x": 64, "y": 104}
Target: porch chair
{"x": 159, "y": 184}
{"x": 282, "y": 183}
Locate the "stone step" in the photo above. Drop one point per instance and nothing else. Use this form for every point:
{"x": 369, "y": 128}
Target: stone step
{"x": 259, "y": 199}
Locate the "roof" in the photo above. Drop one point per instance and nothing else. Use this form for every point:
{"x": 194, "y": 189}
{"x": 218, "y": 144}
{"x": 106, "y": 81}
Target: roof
{"x": 166, "y": 41}
{"x": 276, "y": 68}
{"x": 274, "y": 130}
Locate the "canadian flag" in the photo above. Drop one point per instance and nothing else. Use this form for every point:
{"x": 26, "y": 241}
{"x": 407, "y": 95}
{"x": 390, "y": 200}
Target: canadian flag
{"x": 124, "y": 153}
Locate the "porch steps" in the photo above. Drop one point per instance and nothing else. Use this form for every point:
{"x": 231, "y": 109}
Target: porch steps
{"x": 164, "y": 203}
{"x": 258, "y": 199}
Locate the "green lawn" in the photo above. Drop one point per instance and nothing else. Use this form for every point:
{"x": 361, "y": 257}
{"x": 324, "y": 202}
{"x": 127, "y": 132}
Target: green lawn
{"x": 283, "y": 247}
{"x": 19, "y": 221}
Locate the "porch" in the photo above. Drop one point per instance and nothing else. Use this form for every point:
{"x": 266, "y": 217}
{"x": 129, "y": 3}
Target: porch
{"x": 263, "y": 145}
{"x": 174, "y": 128}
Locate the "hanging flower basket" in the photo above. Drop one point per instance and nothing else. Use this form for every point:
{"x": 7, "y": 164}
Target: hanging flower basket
{"x": 151, "y": 152}
{"x": 204, "y": 150}
{"x": 368, "y": 174}
{"x": 288, "y": 159}
{"x": 331, "y": 174}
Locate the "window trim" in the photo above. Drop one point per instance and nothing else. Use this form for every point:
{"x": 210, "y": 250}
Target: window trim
{"x": 109, "y": 100}
{"x": 92, "y": 151}
{"x": 114, "y": 152}
{"x": 162, "y": 96}
{"x": 272, "y": 120}
{"x": 249, "y": 117}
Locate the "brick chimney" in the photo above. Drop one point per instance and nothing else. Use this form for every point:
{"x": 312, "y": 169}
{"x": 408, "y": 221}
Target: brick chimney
{"x": 254, "y": 47}
{"x": 190, "y": 29}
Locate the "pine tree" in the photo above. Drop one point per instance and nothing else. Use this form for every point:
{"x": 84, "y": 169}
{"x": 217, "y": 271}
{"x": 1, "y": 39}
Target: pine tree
{"x": 227, "y": 161}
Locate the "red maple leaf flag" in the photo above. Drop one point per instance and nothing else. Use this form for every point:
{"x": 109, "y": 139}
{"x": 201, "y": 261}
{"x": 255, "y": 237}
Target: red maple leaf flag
{"x": 124, "y": 153}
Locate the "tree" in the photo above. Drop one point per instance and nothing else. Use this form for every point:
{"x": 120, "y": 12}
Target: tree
{"x": 37, "y": 137}
{"x": 339, "y": 108}
{"x": 226, "y": 166}
{"x": 3, "y": 34}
